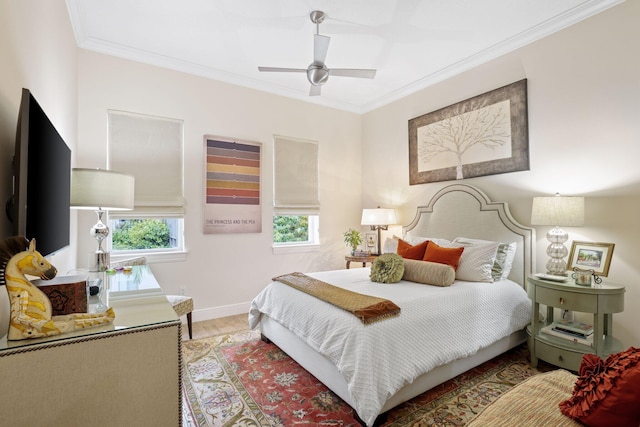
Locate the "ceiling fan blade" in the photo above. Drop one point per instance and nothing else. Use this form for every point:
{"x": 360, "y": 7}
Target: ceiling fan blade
{"x": 363, "y": 73}
{"x": 320, "y": 48}
{"x": 282, "y": 70}
{"x": 315, "y": 90}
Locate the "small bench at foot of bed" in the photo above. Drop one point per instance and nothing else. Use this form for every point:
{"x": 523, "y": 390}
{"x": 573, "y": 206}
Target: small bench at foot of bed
{"x": 532, "y": 403}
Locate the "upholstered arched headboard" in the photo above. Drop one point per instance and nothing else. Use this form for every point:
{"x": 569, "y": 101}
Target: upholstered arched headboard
{"x": 460, "y": 210}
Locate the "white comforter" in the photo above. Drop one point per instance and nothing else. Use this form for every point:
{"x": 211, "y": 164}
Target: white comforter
{"x": 436, "y": 326}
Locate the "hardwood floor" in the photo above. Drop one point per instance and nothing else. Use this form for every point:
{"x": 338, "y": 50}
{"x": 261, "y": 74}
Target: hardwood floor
{"x": 223, "y": 325}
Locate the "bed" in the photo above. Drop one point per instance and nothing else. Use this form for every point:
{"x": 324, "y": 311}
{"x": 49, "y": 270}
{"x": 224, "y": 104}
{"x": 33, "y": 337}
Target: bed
{"x": 375, "y": 367}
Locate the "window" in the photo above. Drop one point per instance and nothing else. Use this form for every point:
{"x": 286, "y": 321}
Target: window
{"x": 145, "y": 234}
{"x": 295, "y": 229}
{"x": 295, "y": 200}
{"x": 150, "y": 149}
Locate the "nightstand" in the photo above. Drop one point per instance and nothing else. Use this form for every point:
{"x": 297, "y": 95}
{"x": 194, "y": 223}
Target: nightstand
{"x": 363, "y": 259}
{"x": 602, "y": 300}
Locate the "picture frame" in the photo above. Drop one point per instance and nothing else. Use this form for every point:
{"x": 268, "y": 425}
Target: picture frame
{"x": 232, "y": 186}
{"x": 371, "y": 242}
{"x": 594, "y": 256}
{"x": 484, "y": 135}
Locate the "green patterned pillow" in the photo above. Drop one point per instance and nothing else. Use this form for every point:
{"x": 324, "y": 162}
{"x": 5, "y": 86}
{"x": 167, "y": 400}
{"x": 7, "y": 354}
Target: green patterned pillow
{"x": 387, "y": 268}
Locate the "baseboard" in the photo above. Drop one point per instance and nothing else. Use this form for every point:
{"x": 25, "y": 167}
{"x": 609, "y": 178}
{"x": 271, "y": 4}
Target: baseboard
{"x": 222, "y": 311}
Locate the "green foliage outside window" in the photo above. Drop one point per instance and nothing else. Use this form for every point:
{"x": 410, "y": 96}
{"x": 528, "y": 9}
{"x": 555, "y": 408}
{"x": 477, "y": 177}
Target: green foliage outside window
{"x": 290, "y": 229}
{"x": 141, "y": 234}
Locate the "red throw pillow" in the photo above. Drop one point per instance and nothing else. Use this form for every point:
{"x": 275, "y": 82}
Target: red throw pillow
{"x": 606, "y": 392}
{"x": 449, "y": 256}
{"x": 408, "y": 251}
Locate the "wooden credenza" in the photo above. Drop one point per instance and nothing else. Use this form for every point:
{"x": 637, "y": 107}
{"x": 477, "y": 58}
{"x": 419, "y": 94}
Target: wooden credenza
{"x": 125, "y": 374}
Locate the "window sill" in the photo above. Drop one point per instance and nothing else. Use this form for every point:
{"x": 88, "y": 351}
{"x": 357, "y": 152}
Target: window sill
{"x": 294, "y": 248}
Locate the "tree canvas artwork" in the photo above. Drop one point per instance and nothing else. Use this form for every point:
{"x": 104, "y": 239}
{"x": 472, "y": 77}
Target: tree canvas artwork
{"x": 479, "y": 135}
{"x": 484, "y": 135}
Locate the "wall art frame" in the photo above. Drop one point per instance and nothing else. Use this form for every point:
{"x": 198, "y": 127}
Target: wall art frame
{"x": 487, "y": 134}
{"x": 370, "y": 242}
{"x": 232, "y": 190}
{"x": 594, "y": 256}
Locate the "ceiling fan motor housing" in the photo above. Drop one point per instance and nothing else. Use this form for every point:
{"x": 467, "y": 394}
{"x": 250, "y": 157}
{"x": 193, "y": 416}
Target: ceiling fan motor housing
{"x": 317, "y": 74}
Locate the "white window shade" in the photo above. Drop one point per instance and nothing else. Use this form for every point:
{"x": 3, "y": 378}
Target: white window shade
{"x": 150, "y": 149}
{"x": 295, "y": 177}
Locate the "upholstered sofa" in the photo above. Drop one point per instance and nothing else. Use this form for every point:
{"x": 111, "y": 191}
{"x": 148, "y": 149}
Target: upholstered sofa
{"x": 605, "y": 393}
{"x": 532, "y": 403}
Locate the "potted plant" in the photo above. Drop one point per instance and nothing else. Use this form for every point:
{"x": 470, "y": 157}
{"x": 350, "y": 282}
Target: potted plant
{"x": 352, "y": 238}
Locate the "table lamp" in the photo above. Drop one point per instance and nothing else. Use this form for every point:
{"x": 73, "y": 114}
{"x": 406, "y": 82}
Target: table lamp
{"x": 557, "y": 211}
{"x": 101, "y": 190}
{"x": 378, "y": 219}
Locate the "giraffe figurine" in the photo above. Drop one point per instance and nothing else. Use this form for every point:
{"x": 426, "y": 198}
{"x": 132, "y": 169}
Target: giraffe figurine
{"x": 31, "y": 312}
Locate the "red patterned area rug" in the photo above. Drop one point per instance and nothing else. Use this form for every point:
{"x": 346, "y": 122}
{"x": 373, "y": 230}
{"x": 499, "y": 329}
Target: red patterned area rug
{"x": 238, "y": 380}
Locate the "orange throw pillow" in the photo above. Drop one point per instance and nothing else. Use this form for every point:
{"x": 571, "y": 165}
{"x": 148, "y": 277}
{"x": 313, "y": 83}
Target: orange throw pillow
{"x": 408, "y": 251}
{"x": 606, "y": 392}
{"x": 449, "y": 256}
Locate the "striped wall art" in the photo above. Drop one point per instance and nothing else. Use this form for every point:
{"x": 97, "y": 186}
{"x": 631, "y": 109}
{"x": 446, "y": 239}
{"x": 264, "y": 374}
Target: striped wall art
{"x": 232, "y": 189}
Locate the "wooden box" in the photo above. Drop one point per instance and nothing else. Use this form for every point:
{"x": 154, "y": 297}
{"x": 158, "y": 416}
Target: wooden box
{"x": 68, "y": 294}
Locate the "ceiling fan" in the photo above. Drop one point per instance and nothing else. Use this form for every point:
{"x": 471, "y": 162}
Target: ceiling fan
{"x": 317, "y": 71}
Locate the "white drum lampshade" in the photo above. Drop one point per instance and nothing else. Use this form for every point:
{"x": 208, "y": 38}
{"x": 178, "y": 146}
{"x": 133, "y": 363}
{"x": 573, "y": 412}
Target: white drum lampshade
{"x": 378, "y": 219}
{"x": 101, "y": 190}
{"x": 557, "y": 211}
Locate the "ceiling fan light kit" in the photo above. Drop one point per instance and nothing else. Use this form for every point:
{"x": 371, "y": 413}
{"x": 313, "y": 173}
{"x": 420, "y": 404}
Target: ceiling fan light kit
{"x": 317, "y": 72}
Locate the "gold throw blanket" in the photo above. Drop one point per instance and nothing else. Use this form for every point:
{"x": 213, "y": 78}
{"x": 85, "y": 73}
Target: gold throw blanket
{"x": 367, "y": 308}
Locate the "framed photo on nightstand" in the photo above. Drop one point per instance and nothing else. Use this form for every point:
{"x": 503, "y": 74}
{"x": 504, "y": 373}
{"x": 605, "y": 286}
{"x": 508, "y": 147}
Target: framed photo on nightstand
{"x": 371, "y": 242}
{"x": 591, "y": 256}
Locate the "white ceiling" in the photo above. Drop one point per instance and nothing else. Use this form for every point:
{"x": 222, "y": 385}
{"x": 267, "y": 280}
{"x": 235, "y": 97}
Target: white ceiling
{"x": 412, "y": 43}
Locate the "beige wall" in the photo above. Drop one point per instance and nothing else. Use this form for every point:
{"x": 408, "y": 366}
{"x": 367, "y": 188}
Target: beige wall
{"x": 224, "y": 272}
{"x": 584, "y": 133}
{"x": 37, "y": 52}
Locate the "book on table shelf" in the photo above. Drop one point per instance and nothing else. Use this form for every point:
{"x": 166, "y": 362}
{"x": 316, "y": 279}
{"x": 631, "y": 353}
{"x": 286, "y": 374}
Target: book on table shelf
{"x": 361, "y": 253}
{"x": 581, "y": 328}
{"x": 570, "y": 336}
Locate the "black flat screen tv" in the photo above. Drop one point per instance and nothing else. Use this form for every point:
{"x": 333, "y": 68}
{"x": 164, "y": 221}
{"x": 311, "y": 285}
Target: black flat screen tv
{"x": 39, "y": 207}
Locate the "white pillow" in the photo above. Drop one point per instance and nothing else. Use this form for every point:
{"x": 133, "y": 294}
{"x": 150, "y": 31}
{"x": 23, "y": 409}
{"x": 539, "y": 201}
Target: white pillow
{"x": 390, "y": 245}
{"x": 416, "y": 240}
{"x": 476, "y": 262}
{"x": 469, "y": 241}
{"x": 505, "y": 255}
{"x": 504, "y": 260}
